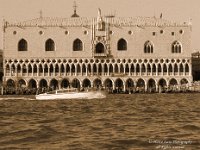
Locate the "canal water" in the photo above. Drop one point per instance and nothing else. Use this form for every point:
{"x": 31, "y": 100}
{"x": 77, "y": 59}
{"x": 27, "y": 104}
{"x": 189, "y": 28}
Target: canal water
{"x": 119, "y": 122}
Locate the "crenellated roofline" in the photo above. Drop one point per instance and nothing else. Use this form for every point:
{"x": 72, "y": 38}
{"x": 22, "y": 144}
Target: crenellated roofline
{"x": 81, "y": 21}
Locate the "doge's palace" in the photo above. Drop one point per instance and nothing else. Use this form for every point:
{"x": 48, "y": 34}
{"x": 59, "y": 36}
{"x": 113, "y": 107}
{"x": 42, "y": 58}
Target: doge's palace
{"x": 104, "y": 51}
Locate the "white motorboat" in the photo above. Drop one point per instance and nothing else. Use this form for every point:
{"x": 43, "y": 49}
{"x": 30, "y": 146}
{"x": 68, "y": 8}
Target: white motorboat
{"x": 70, "y": 94}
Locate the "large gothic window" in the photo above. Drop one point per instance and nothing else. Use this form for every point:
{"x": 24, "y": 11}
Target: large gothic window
{"x": 176, "y": 47}
{"x": 22, "y": 45}
{"x": 99, "y": 48}
{"x": 122, "y": 45}
{"x": 50, "y": 45}
{"x": 77, "y": 45}
{"x": 148, "y": 47}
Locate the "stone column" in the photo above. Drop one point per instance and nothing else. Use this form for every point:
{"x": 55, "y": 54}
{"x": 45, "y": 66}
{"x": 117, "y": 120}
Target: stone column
{"x": 37, "y": 70}
{"x": 32, "y": 70}
{"x": 190, "y": 69}
{"x": 48, "y": 71}
{"x": 54, "y": 71}
{"x": 124, "y": 83}
{"x": 43, "y": 71}
{"x": 178, "y": 70}
{"x": 146, "y": 86}
{"x": 156, "y": 70}
{"x": 92, "y": 84}
{"x": 108, "y": 73}
{"x": 86, "y": 71}
{"x": 75, "y": 70}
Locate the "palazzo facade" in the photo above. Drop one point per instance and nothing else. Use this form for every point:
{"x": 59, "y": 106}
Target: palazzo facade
{"x": 106, "y": 51}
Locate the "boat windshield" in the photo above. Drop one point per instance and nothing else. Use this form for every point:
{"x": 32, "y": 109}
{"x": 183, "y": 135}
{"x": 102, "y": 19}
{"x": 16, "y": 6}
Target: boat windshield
{"x": 64, "y": 90}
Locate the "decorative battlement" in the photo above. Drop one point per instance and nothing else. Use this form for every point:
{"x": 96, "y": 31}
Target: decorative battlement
{"x": 80, "y": 21}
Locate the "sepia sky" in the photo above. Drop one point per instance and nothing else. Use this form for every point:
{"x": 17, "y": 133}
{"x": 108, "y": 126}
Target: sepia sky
{"x": 175, "y": 10}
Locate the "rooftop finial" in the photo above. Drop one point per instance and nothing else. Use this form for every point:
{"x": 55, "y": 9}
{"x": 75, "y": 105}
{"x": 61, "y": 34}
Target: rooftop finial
{"x": 75, "y": 6}
{"x": 161, "y": 15}
{"x": 41, "y": 15}
{"x": 99, "y": 12}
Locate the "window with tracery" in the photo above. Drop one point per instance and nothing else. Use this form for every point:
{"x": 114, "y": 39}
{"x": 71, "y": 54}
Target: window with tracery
{"x": 176, "y": 47}
{"x": 148, "y": 47}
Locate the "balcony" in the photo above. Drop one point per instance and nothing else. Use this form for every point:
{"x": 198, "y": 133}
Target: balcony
{"x": 100, "y": 55}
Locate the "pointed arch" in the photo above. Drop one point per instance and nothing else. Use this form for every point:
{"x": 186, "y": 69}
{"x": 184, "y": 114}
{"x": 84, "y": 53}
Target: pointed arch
{"x": 22, "y": 83}
{"x": 119, "y": 84}
{"x": 77, "y": 45}
{"x": 184, "y": 81}
{"x": 54, "y": 84}
{"x": 65, "y": 83}
{"x": 154, "y": 68}
{"x": 162, "y": 83}
{"x": 78, "y": 68}
{"x": 186, "y": 68}
{"x": 111, "y": 68}
{"x": 105, "y": 68}
{"x": 99, "y": 48}
{"x": 22, "y": 45}
{"x": 46, "y": 68}
{"x": 126, "y": 68}
{"x": 8, "y": 68}
{"x": 132, "y": 68}
{"x": 97, "y": 83}
{"x": 175, "y": 68}
{"x": 62, "y": 68}
{"x": 24, "y": 68}
{"x": 86, "y": 83}
{"x": 129, "y": 83}
{"x": 181, "y": 68}
{"x": 141, "y": 83}
{"x": 84, "y": 68}
{"x": 151, "y": 85}
{"x": 143, "y": 68}
{"x": 159, "y": 68}
{"x": 43, "y": 83}
{"x": 148, "y": 68}
{"x": 40, "y": 68}
{"x": 100, "y": 69}
{"x": 137, "y": 68}
{"x": 121, "y": 68}
{"x": 10, "y": 83}
{"x": 170, "y": 68}
{"x": 32, "y": 83}
{"x": 29, "y": 68}
{"x": 49, "y": 45}
{"x": 95, "y": 68}
{"x": 122, "y": 44}
{"x": 89, "y": 69}
{"x": 108, "y": 84}
{"x": 116, "y": 68}
{"x": 73, "y": 68}
{"x": 19, "y": 68}
{"x": 173, "y": 82}
{"x": 76, "y": 83}
{"x": 57, "y": 68}
{"x": 164, "y": 68}
{"x": 176, "y": 47}
{"x": 67, "y": 68}
{"x": 148, "y": 47}
{"x": 51, "y": 68}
